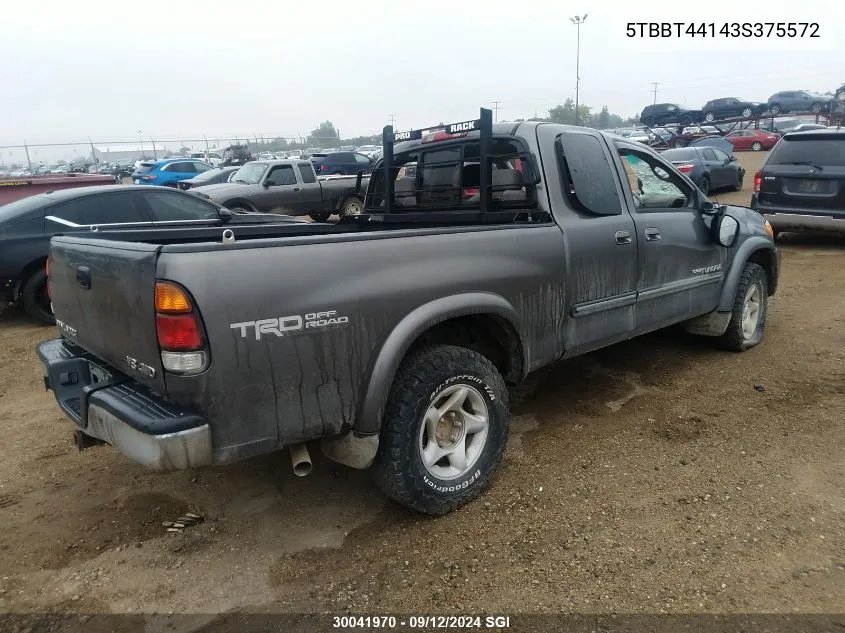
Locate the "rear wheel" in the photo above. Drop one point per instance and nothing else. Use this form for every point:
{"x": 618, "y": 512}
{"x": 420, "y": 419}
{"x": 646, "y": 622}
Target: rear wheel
{"x": 649, "y": 122}
{"x": 747, "y": 112}
{"x": 319, "y": 216}
{"x": 36, "y": 301}
{"x": 709, "y": 117}
{"x": 775, "y": 109}
{"x": 352, "y": 206}
{"x": 756, "y": 146}
{"x": 748, "y": 316}
{"x": 704, "y": 185}
{"x": 816, "y": 107}
{"x": 739, "y": 178}
{"x": 445, "y": 429}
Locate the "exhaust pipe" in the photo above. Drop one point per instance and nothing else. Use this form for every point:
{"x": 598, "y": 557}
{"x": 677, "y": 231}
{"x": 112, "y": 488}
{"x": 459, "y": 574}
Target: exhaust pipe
{"x": 301, "y": 459}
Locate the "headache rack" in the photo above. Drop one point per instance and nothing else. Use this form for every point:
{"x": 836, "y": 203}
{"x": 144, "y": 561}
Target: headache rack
{"x": 468, "y": 147}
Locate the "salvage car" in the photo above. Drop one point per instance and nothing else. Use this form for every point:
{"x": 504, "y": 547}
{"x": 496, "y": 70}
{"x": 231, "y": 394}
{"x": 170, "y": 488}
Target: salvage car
{"x": 663, "y": 113}
{"x": 710, "y": 168}
{"x": 755, "y": 140}
{"x": 210, "y": 177}
{"x": 289, "y": 186}
{"x": 798, "y": 101}
{"x": 801, "y": 186}
{"x": 731, "y": 107}
{"x": 27, "y": 225}
{"x": 391, "y": 336}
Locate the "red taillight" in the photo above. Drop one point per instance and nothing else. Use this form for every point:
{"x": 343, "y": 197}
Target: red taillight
{"x": 758, "y": 180}
{"x": 178, "y": 332}
{"x": 324, "y": 167}
{"x": 441, "y": 136}
{"x": 685, "y": 169}
{"x": 469, "y": 192}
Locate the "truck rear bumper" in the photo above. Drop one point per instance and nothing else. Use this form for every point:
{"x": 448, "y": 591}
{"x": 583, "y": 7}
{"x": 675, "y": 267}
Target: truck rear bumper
{"x": 110, "y": 406}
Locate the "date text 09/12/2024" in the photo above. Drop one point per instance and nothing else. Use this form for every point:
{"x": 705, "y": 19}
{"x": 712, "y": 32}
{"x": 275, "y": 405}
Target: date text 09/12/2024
{"x": 726, "y": 29}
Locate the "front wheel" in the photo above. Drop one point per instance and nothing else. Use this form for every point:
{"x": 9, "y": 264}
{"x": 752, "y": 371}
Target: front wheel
{"x": 775, "y": 109}
{"x": 709, "y": 117}
{"x": 756, "y": 146}
{"x": 445, "y": 429}
{"x": 748, "y": 316}
{"x": 747, "y": 112}
{"x": 649, "y": 122}
{"x": 816, "y": 107}
{"x": 319, "y": 216}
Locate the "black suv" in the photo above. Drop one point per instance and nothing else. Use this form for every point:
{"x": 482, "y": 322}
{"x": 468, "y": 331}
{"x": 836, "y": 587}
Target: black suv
{"x": 731, "y": 107}
{"x": 801, "y": 186}
{"x": 236, "y": 155}
{"x": 663, "y": 113}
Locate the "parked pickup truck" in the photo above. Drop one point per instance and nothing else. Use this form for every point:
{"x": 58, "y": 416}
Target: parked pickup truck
{"x": 391, "y": 336}
{"x": 289, "y": 186}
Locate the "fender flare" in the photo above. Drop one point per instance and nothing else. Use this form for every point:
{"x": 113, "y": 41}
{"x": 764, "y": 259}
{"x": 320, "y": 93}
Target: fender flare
{"x": 743, "y": 254}
{"x": 407, "y": 331}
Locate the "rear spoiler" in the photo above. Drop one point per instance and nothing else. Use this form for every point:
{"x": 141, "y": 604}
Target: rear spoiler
{"x": 483, "y": 124}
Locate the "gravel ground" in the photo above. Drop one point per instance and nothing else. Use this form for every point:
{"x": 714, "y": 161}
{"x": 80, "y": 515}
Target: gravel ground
{"x": 658, "y": 475}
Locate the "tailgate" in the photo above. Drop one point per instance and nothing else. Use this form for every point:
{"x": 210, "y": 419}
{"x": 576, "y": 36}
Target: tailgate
{"x": 103, "y": 295}
{"x": 801, "y": 188}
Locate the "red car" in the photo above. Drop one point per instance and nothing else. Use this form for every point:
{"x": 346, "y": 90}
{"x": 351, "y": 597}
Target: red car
{"x": 752, "y": 139}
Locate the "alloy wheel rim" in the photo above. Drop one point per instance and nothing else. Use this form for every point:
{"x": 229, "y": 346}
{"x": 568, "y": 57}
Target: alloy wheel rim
{"x": 453, "y": 432}
{"x": 751, "y": 312}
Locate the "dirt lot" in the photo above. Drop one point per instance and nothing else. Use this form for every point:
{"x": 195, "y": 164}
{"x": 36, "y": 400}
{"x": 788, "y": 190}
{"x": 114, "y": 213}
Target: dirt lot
{"x": 656, "y": 475}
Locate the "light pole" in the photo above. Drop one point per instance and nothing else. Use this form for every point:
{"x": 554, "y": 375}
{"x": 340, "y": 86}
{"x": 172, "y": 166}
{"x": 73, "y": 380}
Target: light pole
{"x": 141, "y": 140}
{"x": 577, "y": 21}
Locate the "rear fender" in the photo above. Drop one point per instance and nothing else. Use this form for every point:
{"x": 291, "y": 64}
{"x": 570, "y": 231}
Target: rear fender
{"x": 240, "y": 202}
{"x": 752, "y": 248}
{"x": 406, "y": 333}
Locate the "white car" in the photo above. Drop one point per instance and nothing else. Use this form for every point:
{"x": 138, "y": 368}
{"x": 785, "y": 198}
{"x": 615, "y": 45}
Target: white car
{"x": 211, "y": 158}
{"x": 369, "y": 150}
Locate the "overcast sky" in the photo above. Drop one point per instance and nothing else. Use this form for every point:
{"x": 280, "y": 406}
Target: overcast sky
{"x": 182, "y": 69}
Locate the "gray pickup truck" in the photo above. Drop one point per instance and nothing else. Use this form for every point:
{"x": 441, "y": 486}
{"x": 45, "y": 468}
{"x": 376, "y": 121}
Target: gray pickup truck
{"x": 391, "y": 335}
{"x": 287, "y": 186}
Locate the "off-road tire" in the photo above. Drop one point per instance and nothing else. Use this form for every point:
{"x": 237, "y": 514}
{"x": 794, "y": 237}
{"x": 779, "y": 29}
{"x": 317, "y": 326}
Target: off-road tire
{"x": 319, "y": 216}
{"x": 35, "y": 300}
{"x": 398, "y": 469}
{"x": 733, "y": 338}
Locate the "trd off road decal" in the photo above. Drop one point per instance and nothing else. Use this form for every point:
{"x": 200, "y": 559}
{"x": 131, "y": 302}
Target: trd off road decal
{"x": 289, "y": 325}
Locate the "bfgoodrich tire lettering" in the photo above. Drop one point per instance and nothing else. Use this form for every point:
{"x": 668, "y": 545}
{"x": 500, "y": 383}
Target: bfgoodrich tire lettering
{"x": 428, "y": 380}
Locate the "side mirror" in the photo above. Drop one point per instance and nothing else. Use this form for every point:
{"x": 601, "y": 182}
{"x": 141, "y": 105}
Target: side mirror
{"x": 706, "y": 206}
{"x": 225, "y": 214}
{"x": 732, "y": 159}
{"x": 267, "y": 183}
{"x": 726, "y": 229}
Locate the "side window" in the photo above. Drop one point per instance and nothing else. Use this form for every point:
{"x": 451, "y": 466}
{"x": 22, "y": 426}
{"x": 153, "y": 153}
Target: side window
{"x": 201, "y": 167}
{"x": 360, "y": 158}
{"x": 282, "y": 175}
{"x": 187, "y": 168}
{"x": 586, "y": 174}
{"x": 107, "y": 208}
{"x": 440, "y": 177}
{"x": 708, "y": 154}
{"x": 652, "y": 185}
{"x": 720, "y": 155}
{"x": 307, "y": 173}
{"x": 171, "y": 207}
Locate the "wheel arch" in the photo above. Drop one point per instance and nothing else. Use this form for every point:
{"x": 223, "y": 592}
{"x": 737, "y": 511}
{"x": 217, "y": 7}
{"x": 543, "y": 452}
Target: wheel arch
{"x": 240, "y": 202}
{"x": 484, "y": 322}
{"x": 759, "y": 251}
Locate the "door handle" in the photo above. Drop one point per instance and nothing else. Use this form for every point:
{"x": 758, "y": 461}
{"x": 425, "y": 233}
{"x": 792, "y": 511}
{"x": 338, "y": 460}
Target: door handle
{"x": 652, "y": 235}
{"x": 296, "y": 189}
{"x": 83, "y": 277}
{"x": 623, "y": 237}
